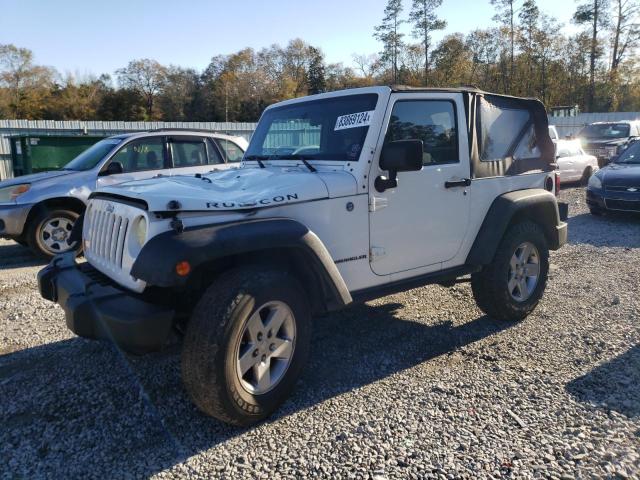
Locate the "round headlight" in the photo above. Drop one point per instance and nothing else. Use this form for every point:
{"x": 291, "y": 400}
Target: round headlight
{"x": 140, "y": 230}
{"x": 595, "y": 182}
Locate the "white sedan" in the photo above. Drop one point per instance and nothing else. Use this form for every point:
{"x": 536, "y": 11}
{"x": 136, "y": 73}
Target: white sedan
{"x": 574, "y": 164}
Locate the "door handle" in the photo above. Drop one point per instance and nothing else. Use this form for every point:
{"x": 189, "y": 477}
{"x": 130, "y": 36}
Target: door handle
{"x": 465, "y": 182}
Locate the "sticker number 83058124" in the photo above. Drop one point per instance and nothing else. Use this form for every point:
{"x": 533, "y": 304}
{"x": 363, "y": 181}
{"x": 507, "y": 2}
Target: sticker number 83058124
{"x": 354, "y": 120}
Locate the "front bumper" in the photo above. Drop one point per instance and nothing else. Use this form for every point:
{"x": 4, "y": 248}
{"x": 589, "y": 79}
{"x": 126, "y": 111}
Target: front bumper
{"x": 602, "y": 199}
{"x": 96, "y": 308}
{"x": 12, "y": 219}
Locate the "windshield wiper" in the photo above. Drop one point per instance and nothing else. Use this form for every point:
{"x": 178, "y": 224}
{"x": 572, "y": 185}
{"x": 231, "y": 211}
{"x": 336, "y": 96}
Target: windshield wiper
{"x": 302, "y": 158}
{"x": 258, "y": 158}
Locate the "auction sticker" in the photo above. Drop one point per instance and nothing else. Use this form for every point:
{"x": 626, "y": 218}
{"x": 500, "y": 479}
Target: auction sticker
{"x": 354, "y": 120}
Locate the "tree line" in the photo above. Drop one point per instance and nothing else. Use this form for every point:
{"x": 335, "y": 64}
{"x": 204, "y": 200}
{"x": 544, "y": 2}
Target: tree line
{"x": 522, "y": 53}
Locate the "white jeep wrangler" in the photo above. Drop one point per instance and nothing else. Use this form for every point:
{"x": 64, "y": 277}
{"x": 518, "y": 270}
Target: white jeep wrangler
{"x": 342, "y": 197}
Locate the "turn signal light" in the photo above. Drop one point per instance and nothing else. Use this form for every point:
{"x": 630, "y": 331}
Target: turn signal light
{"x": 183, "y": 268}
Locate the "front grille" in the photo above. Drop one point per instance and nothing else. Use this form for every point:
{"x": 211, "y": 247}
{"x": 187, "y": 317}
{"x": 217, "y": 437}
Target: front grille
{"x": 625, "y": 205}
{"x": 106, "y": 234}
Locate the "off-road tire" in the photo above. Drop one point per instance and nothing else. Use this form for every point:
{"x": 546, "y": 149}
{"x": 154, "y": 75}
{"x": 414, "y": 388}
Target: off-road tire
{"x": 209, "y": 355}
{"x": 489, "y": 286}
{"x": 35, "y": 225}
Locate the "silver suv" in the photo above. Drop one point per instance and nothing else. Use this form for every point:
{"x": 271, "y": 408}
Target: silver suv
{"x": 39, "y": 210}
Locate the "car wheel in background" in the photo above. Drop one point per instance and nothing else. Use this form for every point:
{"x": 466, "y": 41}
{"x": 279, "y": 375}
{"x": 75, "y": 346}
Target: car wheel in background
{"x": 596, "y": 211}
{"x": 49, "y": 231}
{"x": 586, "y": 175}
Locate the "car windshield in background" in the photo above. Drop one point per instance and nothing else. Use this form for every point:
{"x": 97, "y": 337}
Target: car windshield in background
{"x": 331, "y": 129}
{"x": 605, "y": 130}
{"x": 630, "y": 155}
{"x": 92, "y": 156}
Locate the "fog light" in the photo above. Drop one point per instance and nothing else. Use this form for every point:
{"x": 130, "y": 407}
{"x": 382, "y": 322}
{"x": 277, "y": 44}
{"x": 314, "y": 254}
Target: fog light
{"x": 183, "y": 268}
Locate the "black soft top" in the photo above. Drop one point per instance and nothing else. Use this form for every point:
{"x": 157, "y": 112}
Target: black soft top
{"x": 480, "y": 129}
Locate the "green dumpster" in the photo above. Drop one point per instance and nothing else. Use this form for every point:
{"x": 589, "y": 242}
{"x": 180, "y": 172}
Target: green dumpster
{"x": 38, "y": 153}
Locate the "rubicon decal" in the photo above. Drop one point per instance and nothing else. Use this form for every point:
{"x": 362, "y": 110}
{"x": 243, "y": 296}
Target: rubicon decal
{"x": 263, "y": 202}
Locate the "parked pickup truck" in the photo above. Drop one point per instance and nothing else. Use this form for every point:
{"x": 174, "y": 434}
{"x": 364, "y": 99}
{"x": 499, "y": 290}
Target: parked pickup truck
{"x": 39, "y": 210}
{"x": 342, "y": 198}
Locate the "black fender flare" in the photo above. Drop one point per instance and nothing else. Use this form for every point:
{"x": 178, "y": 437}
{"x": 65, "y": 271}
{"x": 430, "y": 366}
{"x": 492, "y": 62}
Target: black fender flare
{"x": 156, "y": 263}
{"x": 535, "y": 204}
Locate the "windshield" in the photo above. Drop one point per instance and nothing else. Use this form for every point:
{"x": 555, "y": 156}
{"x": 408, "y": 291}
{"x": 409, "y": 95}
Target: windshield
{"x": 630, "y": 155}
{"x": 605, "y": 130}
{"x": 92, "y": 156}
{"x": 330, "y": 129}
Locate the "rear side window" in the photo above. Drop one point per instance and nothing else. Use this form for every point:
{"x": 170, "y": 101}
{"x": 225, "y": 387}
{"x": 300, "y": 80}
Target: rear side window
{"x": 193, "y": 153}
{"x": 505, "y": 131}
{"x": 231, "y": 151}
{"x": 433, "y": 122}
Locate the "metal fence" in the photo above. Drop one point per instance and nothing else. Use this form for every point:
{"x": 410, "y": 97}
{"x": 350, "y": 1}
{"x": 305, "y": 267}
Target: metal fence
{"x": 292, "y": 135}
{"x": 76, "y": 127}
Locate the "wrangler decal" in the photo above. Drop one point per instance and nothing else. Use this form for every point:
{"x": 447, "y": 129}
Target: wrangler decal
{"x": 350, "y": 259}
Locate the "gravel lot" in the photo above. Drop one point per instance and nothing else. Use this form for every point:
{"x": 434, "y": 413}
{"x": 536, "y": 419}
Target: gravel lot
{"x": 415, "y": 385}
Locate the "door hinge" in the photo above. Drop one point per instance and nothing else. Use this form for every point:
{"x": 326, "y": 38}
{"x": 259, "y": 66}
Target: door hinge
{"x": 377, "y": 203}
{"x": 375, "y": 253}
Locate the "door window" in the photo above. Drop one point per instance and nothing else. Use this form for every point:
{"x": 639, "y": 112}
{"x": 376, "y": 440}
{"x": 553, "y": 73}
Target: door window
{"x": 433, "y": 122}
{"x": 231, "y": 151}
{"x": 188, "y": 153}
{"x": 140, "y": 155}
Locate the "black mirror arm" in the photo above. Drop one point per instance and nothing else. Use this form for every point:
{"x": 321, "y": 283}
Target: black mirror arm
{"x": 382, "y": 183}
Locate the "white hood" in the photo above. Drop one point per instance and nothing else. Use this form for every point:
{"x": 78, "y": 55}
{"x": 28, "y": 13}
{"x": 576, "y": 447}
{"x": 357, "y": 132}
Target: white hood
{"x": 239, "y": 189}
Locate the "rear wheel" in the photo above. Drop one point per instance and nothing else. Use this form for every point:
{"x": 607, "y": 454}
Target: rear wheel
{"x": 49, "y": 231}
{"x": 246, "y": 344}
{"x": 512, "y": 285}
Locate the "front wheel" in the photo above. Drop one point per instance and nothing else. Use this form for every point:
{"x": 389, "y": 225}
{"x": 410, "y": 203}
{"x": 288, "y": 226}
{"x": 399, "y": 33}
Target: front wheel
{"x": 246, "y": 344}
{"x": 49, "y": 231}
{"x": 596, "y": 211}
{"x": 512, "y": 285}
{"x": 586, "y": 175}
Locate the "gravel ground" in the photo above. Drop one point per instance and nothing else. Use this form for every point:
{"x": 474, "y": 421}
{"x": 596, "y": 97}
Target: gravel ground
{"x": 415, "y": 385}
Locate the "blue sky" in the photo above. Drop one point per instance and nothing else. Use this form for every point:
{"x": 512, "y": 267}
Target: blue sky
{"x": 97, "y": 36}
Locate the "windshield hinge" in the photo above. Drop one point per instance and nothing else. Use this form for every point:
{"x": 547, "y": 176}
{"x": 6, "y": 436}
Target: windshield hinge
{"x": 377, "y": 203}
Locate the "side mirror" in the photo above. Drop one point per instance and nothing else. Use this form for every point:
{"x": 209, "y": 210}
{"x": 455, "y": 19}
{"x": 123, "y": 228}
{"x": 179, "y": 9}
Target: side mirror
{"x": 114, "y": 168}
{"x": 398, "y": 156}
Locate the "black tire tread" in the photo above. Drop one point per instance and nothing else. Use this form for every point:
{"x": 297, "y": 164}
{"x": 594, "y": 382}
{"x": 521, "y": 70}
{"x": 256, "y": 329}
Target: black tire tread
{"x": 204, "y": 338}
{"x": 488, "y": 284}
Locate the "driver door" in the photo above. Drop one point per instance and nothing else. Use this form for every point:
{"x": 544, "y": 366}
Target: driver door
{"x": 422, "y": 222}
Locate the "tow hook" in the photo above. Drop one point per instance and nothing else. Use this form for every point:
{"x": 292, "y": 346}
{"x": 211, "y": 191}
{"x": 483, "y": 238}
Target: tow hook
{"x": 177, "y": 225}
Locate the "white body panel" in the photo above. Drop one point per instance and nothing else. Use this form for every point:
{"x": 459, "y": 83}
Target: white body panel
{"x": 432, "y": 218}
{"x": 420, "y": 226}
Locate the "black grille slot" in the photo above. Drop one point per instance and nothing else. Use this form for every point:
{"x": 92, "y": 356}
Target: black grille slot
{"x": 625, "y": 205}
